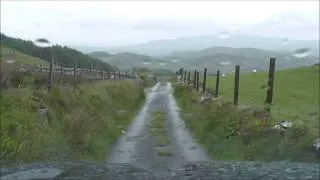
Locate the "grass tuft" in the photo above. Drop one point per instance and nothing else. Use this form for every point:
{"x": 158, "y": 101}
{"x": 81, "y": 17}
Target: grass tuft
{"x": 165, "y": 153}
{"x": 158, "y": 128}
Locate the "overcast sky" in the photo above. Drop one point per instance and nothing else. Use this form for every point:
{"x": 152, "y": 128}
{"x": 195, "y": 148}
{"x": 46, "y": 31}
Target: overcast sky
{"x": 113, "y": 23}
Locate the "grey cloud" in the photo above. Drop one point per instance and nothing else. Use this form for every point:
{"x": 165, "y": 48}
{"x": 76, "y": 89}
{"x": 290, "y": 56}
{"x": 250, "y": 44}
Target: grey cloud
{"x": 166, "y": 25}
{"x": 98, "y": 26}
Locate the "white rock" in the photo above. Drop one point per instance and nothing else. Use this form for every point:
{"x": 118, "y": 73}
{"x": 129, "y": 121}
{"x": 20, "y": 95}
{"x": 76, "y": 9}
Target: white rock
{"x": 277, "y": 127}
{"x": 285, "y": 124}
{"x": 205, "y": 98}
{"x": 316, "y": 144}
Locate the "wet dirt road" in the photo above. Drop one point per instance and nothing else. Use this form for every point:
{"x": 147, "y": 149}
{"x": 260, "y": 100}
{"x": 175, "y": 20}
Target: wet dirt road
{"x": 137, "y": 147}
{"x": 136, "y": 155}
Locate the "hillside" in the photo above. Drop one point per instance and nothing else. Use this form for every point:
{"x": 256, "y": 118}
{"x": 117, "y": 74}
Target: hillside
{"x": 243, "y": 132}
{"x": 99, "y": 54}
{"x": 69, "y": 121}
{"x": 214, "y": 58}
{"x": 225, "y": 58}
{"x": 64, "y": 56}
{"x": 21, "y": 58}
{"x": 166, "y": 46}
{"x": 127, "y": 60}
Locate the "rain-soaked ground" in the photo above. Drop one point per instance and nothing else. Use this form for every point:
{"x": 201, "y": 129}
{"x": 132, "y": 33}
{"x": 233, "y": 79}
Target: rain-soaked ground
{"x": 136, "y": 155}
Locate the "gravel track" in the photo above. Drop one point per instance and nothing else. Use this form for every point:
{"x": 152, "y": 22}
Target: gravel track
{"x": 138, "y": 148}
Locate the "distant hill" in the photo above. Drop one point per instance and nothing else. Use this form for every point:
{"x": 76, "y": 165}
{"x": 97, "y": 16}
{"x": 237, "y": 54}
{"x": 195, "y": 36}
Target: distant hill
{"x": 98, "y": 54}
{"x": 167, "y": 46}
{"x": 225, "y": 59}
{"x": 214, "y": 58}
{"x": 87, "y": 49}
{"x": 64, "y": 56}
{"x": 127, "y": 60}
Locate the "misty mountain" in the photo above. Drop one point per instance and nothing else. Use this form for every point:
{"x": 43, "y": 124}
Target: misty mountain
{"x": 127, "y": 60}
{"x": 163, "y": 47}
{"x": 214, "y": 58}
{"x": 98, "y": 54}
{"x": 225, "y": 59}
{"x": 88, "y": 49}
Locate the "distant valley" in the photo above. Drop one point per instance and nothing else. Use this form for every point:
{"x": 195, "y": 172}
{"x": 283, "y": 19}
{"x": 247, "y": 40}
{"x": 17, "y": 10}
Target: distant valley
{"x": 164, "y": 47}
{"x": 214, "y": 58}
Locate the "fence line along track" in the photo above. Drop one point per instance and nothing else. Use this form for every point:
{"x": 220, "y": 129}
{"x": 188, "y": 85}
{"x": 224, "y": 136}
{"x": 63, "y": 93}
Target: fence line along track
{"x": 185, "y": 78}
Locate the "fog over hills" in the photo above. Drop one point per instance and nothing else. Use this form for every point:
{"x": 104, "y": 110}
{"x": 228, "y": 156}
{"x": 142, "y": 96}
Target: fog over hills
{"x": 163, "y": 47}
{"x": 169, "y": 35}
{"x": 214, "y": 58}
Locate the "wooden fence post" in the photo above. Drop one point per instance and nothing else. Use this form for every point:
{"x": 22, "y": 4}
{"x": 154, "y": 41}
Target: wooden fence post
{"x": 195, "y": 79}
{"x": 198, "y": 80}
{"x": 108, "y": 74}
{"x": 236, "y": 86}
{"x": 75, "y": 71}
{"x": 126, "y": 75}
{"x": 102, "y": 75}
{"x": 204, "y": 80}
{"x": 271, "y": 80}
{"x": 188, "y": 78}
{"x": 50, "y": 72}
{"x": 119, "y": 75}
{"x": 61, "y": 69}
{"x": 216, "y": 93}
{"x": 185, "y": 77}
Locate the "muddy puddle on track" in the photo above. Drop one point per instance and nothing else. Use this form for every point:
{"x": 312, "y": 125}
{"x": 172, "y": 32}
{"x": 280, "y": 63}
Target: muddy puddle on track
{"x": 138, "y": 147}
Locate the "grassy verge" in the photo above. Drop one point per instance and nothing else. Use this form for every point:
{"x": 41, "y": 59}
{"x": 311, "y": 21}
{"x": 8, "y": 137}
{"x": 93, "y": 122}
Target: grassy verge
{"x": 82, "y": 121}
{"x": 231, "y": 133}
{"x": 296, "y": 91}
{"x": 159, "y": 132}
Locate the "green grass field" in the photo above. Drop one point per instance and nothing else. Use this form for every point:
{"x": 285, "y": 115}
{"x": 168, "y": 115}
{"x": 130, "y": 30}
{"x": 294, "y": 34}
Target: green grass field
{"x": 231, "y": 133}
{"x": 295, "y": 97}
{"x": 23, "y": 59}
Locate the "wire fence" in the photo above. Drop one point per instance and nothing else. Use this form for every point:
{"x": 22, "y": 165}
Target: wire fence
{"x": 193, "y": 79}
{"x": 59, "y": 73}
